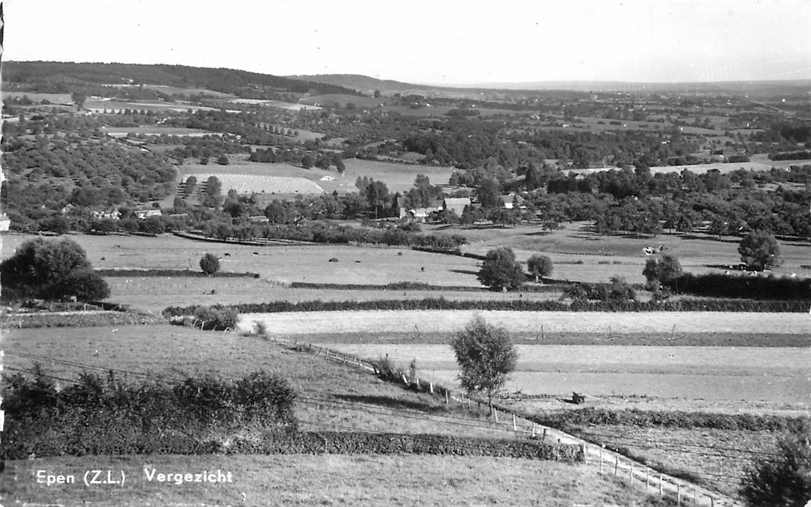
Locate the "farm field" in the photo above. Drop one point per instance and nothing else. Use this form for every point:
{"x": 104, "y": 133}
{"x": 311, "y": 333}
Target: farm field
{"x": 252, "y": 183}
{"x": 53, "y": 98}
{"x": 330, "y": 396}
{"x": 330, "y": 479}
{"x": 605, "y": 256}
{"x": 717, "y": 457}
{"x": 732, "y": 374}
{"x": 156, "y": 293}
{"x": 605, "y": 323}
{"x": 152, "y": 130}
{"x": 355, "y": 265}
{"x": 397, "y": 177}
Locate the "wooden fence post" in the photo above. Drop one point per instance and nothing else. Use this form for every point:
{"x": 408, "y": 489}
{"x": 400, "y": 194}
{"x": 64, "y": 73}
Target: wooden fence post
{"x": 447, "y": 398}
{"x": 678, "y": 494}
{"x": 661, "y": 486}
{"x": 405, "y": 380}
{"x": 495, "y": 413}
{"x": 601, "y": 460}
{"x": 616, "y": 464}
{"x": 515, "y": 428}
{"x": 533, "y": 430}
{"x": 543, "y": 438}
{"x": 431, "y": 387}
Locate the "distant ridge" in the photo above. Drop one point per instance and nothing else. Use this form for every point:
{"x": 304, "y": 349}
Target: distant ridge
{"x": 367, "y": 84}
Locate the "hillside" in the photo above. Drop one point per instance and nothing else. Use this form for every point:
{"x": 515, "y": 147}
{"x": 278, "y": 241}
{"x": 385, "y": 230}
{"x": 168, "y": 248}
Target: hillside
{"x": 367, "y": 84}
{"x": 63, "y": 77}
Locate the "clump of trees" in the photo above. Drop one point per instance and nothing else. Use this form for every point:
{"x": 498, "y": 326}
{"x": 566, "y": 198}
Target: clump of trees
{"x": 209, "y": 263}
{"x": 759, "y": 250}
{"x": 51, "y": 270}
{"x": 486, "y": 356}
{"x": 660, "y": 273}
{"x": 539, "y": 266}
{"x": 500, "y": 270}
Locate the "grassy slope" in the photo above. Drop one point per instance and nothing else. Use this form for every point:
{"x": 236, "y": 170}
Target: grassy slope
{"x": 328, "y": 480}
{"x": 330, "y": 396}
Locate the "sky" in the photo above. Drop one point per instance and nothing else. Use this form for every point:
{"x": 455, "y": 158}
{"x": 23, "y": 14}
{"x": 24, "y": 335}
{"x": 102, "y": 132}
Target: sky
{"x": 430, "y": 41}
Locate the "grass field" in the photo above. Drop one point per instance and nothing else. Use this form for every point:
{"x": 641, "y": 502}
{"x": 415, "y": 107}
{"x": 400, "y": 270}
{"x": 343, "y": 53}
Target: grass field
{"x": 718, "y": 457}
{"x": 291, "y": 264}
{"x": 774, "y": 375}
{"x": 53, "y": 98}
{"x": 154, "y": 130}
{"x": 330, "y": 396}
{"x": 605, "y": 323}
{"x": 579, "y": 254}
{"x": 156, "y": 293}
{"x": 397, "y": 177}
{"x": 327, "y": 480}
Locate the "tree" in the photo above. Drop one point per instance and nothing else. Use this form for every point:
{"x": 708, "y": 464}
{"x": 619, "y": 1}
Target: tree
{"x": 500, "y": 270}
{"x": 759, "y": 250}
{"x": 222, "y": 159}
{"x": 486, "y": 356}
{"x": 212, "y": 197}
{"x": 661, "y": 271}
{"x": 53, "y": 270}
{"x": 78, "y": 99}
{"x": 783, "y": 479}
{"x": 209, "y": 263}
{"x": 539, "y": 266}
{"x": 488, "y": 193}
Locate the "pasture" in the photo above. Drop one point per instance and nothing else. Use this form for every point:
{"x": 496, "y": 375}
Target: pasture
{"x": 282, "y": 264}
{"x": 252, "y": 183}
{"x": 397, "y": 177}
{"x": 53, "y": 98}
{"x": 153, "y": 294}
{"x": 330, "y": 396}
{"x": 580, "y": 254}
{"x": 775, "y": 376}
{"x": 328, "y": 479}
{"x": 601, "y": 323}
{"x": 156, "y": 130}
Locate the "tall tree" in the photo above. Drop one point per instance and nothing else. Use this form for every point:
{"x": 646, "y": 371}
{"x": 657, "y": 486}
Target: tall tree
{"x": 486, "y": 356}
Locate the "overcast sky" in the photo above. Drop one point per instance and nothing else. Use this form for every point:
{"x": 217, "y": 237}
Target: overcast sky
{"x": 430, "y": 41}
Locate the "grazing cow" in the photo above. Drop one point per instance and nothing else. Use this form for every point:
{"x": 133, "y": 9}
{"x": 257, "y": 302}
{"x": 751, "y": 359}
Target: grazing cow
{"x": 648, "y": 250}
{"x": 227, "y": 254}
{"x": 255, "y": 253}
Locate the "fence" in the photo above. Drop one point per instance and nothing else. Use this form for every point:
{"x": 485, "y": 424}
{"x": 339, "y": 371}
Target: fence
{"x": 609, "y": 462}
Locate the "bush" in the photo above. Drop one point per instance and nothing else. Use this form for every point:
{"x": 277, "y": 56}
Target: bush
{"x": 51, "y": 270}
{"x": 500, "y": 270}
{"x": 216, "y": 317}
{"x": 784, "y": 479}
{"x": 660, "y": 271}
{"x": 539, "y": 266}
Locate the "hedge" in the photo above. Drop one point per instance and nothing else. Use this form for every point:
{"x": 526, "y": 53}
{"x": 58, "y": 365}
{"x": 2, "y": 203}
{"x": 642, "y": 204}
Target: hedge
{"x": 668, "y": 419}
{"x": 106, "y": 416}
{"x": 737, "y": 286}
{"x": 171, "y": 272}
{"x": 352, "y": 442}
{"x": 683, "y": 305}
{"x": 404, "y": 285}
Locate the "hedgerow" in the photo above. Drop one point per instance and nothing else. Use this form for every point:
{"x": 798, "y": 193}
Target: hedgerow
{"x": 737, "y": 286}
{"x": 502, "y": 305}
{"x": 171, "y": 272}
{"x": 667, "y": 419}
{"x": 107, "y": 416}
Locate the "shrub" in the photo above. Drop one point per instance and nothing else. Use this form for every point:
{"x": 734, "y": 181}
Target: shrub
{"x": 784, "y": 479}
{"x": 216, "y": 317}
{"x": 661, "y": 271}
{"x": 539, "y": 266}
{"x": 500, "y": 270}
{"x": 485, "y": 355}
{"x": 210, "y": 264}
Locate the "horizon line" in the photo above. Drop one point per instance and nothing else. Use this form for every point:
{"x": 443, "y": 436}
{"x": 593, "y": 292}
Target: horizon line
{"x": 469, "y": 85}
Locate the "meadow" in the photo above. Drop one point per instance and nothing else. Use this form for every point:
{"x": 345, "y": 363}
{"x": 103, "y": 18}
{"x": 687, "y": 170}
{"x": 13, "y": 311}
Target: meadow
{"x": 601, "y": 323}
{"x": 326, "y": 480}
{"x": 281, "y": 264}
{"x": 580, "y": 254}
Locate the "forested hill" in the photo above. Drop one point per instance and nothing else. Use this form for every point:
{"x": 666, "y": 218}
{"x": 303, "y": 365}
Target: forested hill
{"x": 65, "y": 77}
{"x": 365, "y": 84}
